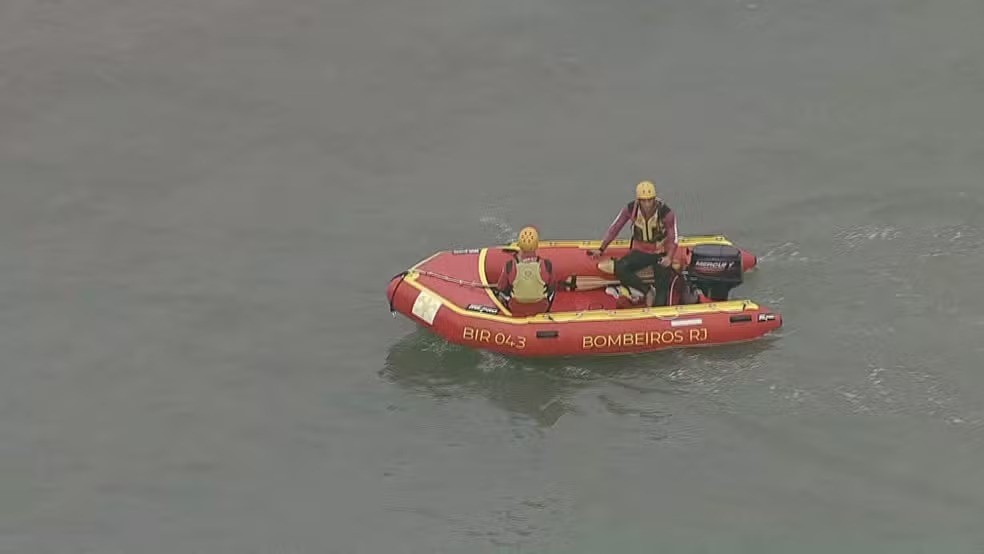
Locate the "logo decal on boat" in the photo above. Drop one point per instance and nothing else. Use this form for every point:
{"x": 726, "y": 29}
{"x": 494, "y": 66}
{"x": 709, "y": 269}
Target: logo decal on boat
{"x": 713, "y": 266}
{"x": 426, "y": 306}
{"x": 466, "y": 251}
{"x": 499, "y": 339}
{"x": 686, "y": 322}
{"x": 767, "y": 317}
{"x": 482, "y": 309}
{"x": 645, "y": 339}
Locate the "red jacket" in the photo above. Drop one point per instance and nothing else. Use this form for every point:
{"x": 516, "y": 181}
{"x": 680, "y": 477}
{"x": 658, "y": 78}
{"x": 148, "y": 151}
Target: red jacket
{"x": 666, "y": 246}
{"x": 509, "y": 275}
{"x": 507, "y": 278}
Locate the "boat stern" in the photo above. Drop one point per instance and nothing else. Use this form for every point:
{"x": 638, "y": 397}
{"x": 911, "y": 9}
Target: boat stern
{"x": 768, "y": 319}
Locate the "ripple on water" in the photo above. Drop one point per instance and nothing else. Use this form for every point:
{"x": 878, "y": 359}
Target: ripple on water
{"x": 854, "y": 237}
{"x": 937, "y": 240}
{"x": 786, "y": 252}
{"x": 501, "y": 229}
{"x": 884, "y": 386}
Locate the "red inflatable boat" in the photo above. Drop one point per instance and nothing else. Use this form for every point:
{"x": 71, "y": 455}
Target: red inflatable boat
{"x": 450, "y": 294}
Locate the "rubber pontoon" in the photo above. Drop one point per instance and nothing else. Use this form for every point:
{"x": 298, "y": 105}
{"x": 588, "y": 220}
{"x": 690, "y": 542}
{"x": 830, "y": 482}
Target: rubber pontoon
{"x": 451, "y": 293}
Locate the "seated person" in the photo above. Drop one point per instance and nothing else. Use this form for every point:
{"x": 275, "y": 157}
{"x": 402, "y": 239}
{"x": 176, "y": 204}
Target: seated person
{"x": 526, "y": 285}
{"x": 653, "y": 244}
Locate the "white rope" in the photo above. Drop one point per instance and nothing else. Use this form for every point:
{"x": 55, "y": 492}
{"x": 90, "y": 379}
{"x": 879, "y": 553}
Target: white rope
{"x": 450, "y": 279}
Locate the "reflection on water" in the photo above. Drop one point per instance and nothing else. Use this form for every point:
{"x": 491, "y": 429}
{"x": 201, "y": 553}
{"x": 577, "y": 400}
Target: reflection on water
{"x": 543, "y": 389}
{"x": 424, "y": 362}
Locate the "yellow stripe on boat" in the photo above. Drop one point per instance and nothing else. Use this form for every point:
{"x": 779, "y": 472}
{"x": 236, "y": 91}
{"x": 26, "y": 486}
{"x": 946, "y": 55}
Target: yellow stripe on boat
{"x": 684, "y": 241}
{"x": 661, "y": 312}
{"x": 481, "y": 275}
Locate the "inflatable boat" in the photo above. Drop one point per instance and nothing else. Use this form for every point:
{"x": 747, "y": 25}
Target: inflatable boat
{"x": 452, "y": 294}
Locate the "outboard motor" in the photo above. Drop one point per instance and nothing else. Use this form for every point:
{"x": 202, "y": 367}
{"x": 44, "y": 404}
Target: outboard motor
{"x": 715, "y": 270}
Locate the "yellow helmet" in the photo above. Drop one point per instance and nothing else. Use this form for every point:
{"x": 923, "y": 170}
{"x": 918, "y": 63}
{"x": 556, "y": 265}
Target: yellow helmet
{"x": 529, "y": 239}
{"x": 645, "y": 190}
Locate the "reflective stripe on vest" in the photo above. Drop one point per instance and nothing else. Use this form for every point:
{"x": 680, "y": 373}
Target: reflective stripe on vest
{"x": 528, "y": 287}
{"x": 648, "y": 230}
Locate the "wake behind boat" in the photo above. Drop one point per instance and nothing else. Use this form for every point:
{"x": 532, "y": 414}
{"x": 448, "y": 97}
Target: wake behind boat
{"x": 451, "y": 293}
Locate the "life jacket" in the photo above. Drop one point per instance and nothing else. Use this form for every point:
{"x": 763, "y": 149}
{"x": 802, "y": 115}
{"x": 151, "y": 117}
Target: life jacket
{"x": 652, "y": 230}
{"x": 528, "y": 287}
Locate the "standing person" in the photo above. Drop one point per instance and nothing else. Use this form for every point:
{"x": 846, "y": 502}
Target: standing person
{"x": 654, "y": 242}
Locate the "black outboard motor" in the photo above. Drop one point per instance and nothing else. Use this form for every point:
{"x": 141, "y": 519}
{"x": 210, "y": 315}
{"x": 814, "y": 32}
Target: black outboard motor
{"x": 715, "y": 270}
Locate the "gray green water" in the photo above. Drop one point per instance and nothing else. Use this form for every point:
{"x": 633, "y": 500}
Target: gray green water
{"x": 201, "y": 202}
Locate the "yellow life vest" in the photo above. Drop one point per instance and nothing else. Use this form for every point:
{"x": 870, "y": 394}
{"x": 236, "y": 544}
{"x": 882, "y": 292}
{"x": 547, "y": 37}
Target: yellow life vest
{"x": 649, "y": 229}
{"x": 528, "y": 287}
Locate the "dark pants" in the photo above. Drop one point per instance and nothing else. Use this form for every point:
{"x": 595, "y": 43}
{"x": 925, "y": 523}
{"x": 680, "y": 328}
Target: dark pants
{"x": 626, "y": 267}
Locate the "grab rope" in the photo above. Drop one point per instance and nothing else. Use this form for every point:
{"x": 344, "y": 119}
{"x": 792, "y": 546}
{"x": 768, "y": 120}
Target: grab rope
{"x": 454, "y": 280}
{"x": 402, "y": 275}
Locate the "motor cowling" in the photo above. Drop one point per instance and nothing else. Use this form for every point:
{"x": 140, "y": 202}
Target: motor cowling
{"x": 715, "y": 270}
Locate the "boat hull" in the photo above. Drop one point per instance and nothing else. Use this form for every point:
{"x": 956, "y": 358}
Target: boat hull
{"x": 449, "y": 294}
